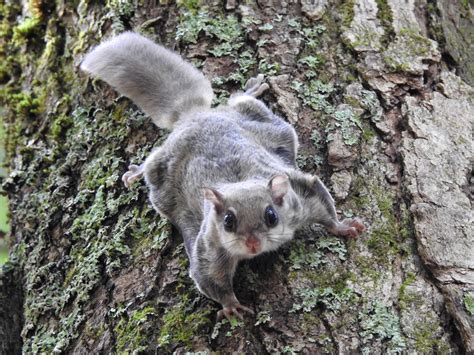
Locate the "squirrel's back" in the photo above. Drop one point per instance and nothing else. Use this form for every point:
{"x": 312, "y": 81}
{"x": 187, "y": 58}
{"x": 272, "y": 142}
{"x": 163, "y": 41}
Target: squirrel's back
{"x": 155, "y": 78}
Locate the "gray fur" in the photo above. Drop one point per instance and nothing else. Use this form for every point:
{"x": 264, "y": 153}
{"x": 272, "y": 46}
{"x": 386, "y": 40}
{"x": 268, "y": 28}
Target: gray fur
{"x": 151, "y": 76}
{"x": 242, "y": 155}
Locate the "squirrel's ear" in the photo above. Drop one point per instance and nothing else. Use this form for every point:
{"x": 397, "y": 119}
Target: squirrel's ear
{"x": 216, "y": 198}
{"x": 279, "y": 186}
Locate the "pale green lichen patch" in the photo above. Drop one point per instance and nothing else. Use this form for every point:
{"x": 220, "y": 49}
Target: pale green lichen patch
{"x": 263, "y": 317}
{"x": 305, "y": 256}
{"x": 315, "y": 94}
{"x": 379, "y": 322}
{"x": 347, "y": 123}
{"x": 119, "y": 13}
{"x": 328, "y": 297}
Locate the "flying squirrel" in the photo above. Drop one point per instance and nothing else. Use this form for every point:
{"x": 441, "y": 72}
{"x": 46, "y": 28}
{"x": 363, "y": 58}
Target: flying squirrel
{"x": 226, "y": 177}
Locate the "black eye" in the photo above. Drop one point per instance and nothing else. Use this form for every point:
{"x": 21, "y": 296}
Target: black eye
{"x": 230, "y": 221}
{"x": 271, "y": 217}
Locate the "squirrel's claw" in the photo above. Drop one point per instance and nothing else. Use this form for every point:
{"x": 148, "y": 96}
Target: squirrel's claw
{"x": 350, "y": 227}
{"x": 234, "y": 310}
{"x": 254, "y": 86}
{"x": 134, "y": 173}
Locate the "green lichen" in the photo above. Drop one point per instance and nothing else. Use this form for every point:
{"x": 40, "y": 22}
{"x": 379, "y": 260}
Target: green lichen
{"x": 226, "y": 35}
{"x": 225, "y": 29}
{"x": 347, "y": 123}
{"x": 327, "y": 297}
{"x": 267, "y": 68}
{"x": 379, "y": 322}
{"x": 263, "y": 317}
{"x": 288, "y": 349}
{"x": 97, "y": 247}
{"x": 315, "y": 94}
{"x": 266, "y": 27}
{"x": 119, "y": 12}
{"x": 305, "y": 256}
{"x": 234, "y": 324}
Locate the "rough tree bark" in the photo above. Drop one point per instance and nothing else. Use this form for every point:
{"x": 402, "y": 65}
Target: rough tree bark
{"x": 372, "y": 89}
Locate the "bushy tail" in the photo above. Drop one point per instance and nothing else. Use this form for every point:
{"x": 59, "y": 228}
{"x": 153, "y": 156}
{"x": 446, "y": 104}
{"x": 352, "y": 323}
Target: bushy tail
{"x": 155, "y": 78}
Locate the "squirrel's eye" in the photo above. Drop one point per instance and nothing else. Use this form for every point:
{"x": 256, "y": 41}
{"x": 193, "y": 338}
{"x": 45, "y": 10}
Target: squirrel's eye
{"x": 230, "y": 221}
{"x": 271, "y": 217}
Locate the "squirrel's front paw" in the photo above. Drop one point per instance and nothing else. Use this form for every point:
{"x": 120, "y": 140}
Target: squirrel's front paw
{"x": 134, "y": 173}
{"x": 233, "y": 310}
{"x": 254, "y": 86}
{"x": 350, "y": 227}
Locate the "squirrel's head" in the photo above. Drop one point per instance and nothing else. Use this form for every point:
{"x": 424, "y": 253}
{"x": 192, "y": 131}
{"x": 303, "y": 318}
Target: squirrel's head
{"x": 254, "y": 216}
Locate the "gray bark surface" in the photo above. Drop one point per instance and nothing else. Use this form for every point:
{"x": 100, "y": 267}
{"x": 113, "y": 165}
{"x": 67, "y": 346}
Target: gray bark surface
{"x": 378, "y": 91}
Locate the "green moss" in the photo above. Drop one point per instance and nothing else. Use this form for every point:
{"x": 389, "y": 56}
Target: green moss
{"x": 417, "y": 44}
{"x": 384, "y": 237}
{"x": 409, "y": 47}
{"x": 469, "y": 303}
{"x": 94, "y": 332}
{"x": 131, "y": 333}
{"x": 25, "y": 105}
{"x": 181, "y": 323}
{"x": 385, "y": 16}
{"x": 406, "y": 298}
{"x": 60, "y": 124}
{"x": 97, "y": 247}
{"x": 347, "y": 12}
{"x": 190, "y": 5}
{"x": 26, "y": 29}
{"x": 367, "y": 266}
{"x": 368, "y": 134}
{"x": 427, "y": 338}
{"x": 144, "y": 243}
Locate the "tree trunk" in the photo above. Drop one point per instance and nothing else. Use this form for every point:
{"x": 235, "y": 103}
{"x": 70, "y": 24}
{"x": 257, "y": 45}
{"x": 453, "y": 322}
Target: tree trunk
{"x": 382, "y": 117}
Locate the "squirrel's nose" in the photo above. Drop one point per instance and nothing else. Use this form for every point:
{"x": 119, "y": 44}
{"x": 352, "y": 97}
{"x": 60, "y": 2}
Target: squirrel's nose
{"x": 252, "y": 242}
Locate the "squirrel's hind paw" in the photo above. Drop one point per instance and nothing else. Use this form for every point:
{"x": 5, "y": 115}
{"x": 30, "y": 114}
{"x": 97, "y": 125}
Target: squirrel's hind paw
{"x": 254, "y": 86}
{"x": 134, "y": 173}
{"x": 234, "y": 310}
{"x": 350, "y": 227}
